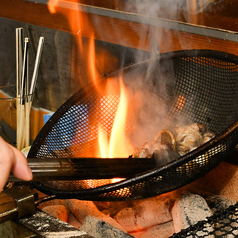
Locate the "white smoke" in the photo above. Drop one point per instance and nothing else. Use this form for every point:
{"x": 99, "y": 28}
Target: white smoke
{"x": 150, "y": 111}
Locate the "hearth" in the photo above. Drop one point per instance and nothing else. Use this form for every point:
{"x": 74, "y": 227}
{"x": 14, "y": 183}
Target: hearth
{"x": 189, "y": 88}
{"x": 200, "y": 212}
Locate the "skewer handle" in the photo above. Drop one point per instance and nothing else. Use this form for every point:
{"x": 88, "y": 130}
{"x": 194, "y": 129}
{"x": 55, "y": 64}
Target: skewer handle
{"x": 86, "y": 168}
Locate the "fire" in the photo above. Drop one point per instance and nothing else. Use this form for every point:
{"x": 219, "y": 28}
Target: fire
{"x": 118, "y": 136}
{"x": 92, "y": 62}
{"x": 52, "y": 5}
{"x": 77, "y": 24}
{"x": 117, "y": 145}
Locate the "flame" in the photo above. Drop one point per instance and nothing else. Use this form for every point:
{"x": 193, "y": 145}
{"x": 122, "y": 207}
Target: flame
{"x": 118, "y": 136}
{"x": 52, "y": 5}
{"x": 78, "y": 24}
{"x": 103, "y": 143}
{"x": 92, "y": 62}
{"x": 118, "y": 145}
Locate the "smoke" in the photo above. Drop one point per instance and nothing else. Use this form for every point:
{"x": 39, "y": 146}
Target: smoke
{"x": 148, "y": 105}
{"x": 175, "y": 10}
{"x": 149, "y": 89}
{"x": 168, "y": 9}
{"x": 195, "y": 7}
{"x": 148, "y": 109}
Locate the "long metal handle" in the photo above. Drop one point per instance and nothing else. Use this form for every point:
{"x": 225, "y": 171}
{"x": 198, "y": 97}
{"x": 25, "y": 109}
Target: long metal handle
{"x": 45, "y": 169}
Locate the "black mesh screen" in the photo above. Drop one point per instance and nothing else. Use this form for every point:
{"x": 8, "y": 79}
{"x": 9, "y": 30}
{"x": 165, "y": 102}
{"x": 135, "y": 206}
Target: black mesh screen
{"x": 201, "y": 86}
{"x": 221, "y": 224}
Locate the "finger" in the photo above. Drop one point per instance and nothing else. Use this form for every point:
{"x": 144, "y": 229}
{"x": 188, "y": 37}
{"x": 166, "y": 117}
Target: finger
{"x": 6, "y": 161}
{"x": 20, "y": 168}
{"x": 11, "y": 159}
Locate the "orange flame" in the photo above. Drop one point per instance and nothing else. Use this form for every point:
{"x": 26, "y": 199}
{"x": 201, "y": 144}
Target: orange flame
{"x": 102, "y": 142}
{"x": 52, "y": 5}
{"x": 77, "y": 24}
{"x": 92, "y": 63}
{"x": 118, "y": 144}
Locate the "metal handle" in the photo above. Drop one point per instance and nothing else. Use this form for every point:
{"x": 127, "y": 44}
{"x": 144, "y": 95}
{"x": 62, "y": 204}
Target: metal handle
{"x": 45, "y": 169}
{"x": 18, "y": 202}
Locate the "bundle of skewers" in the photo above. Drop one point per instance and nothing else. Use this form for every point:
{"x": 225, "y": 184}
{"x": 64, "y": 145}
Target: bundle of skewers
{"x": 24, "y": 87}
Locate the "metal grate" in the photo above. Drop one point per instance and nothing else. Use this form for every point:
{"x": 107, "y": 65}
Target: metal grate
{"x": 221, "y": 224}
{"x": 201, "y": 86}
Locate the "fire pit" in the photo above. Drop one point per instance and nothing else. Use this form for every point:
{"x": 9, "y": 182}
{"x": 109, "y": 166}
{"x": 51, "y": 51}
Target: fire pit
{"x": 201, "y": 86}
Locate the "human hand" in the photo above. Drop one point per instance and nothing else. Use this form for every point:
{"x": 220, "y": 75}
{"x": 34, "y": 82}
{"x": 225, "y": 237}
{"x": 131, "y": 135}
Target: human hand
{"x": 12, "y": 160}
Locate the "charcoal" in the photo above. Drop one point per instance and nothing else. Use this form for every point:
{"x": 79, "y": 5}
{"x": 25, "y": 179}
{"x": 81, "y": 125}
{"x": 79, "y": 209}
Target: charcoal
{"x": 98, "y": 228}
{"x": 57, "y": 211}
{"x": 81, "y": 209}
{"x": 218, "y": 203}
{"x": 188, "y": 210}
{"x": 146, "y": 213}
{"x": 160, "y": 231}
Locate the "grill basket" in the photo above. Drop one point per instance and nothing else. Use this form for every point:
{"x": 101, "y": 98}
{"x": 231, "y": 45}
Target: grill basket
{"x": 201, "y": 86}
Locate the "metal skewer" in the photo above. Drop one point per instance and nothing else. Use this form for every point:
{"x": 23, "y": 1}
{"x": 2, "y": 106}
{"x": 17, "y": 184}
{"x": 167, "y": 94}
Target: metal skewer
{"x": 24, "y": 71}
{"x": 19, "y": 41}
{"x": 19, "y": 61}
{"x": 21, "y": 117}
{"x": 37, "y": 64}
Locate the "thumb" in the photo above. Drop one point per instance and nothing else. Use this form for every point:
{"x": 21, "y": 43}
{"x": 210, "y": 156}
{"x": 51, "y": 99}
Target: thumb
{"x": 20, "y": 168}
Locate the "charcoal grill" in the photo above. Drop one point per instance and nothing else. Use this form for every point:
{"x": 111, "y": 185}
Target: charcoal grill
{"x": 201, "y": 86}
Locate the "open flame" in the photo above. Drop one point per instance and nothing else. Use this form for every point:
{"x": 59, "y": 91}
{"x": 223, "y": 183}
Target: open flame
{"x": 117, "y": 145}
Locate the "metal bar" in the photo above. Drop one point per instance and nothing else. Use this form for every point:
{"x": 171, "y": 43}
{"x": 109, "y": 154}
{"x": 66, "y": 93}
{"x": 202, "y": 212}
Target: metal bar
{"x": 147, "y": 20}
{"x": 24, "y": 71}
{"x": 36, "y": 66}
{"x": 19, "y": 58}
{"x": 45, "y": 169}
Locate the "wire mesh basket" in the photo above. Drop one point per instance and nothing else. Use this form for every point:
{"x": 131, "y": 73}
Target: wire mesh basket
{"x": 201, "y": 86}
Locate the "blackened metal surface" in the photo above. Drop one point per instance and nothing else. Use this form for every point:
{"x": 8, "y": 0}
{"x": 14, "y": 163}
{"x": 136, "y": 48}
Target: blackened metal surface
{"x": 86, "y": 168}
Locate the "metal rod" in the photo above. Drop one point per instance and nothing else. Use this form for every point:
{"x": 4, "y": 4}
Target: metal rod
{"x": 24, "y": 70}
{"x": 45, "y": 169}
{"x": 19, "y": 65}
{"x": 37, "y": 64}
{"x": 19, "y": 58}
